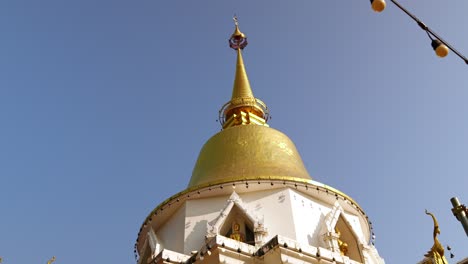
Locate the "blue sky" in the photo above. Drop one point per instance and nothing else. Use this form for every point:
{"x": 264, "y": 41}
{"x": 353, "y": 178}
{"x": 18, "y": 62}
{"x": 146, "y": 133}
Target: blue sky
{"x": 104, "y": 106}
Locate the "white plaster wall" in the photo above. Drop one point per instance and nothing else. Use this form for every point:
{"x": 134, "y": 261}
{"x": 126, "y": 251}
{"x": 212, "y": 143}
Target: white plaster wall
{"x": 171, "y": 234}
{"x": 308, "y": 218}
{"x": 271, "y": 206}
{"x": 199, "y": 213}
{"x": 283, "y": 211}
{"x": 274, "y": 207}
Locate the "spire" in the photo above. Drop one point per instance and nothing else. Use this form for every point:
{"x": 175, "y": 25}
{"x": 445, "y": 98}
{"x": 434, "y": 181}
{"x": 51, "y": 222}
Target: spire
{"x": 238, "y": 42}
{"x": 241, "y": 87}
{"x": 243, "y": 108}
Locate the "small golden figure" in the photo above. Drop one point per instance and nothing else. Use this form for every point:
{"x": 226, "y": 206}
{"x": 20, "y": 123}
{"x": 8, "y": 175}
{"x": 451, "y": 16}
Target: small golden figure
{"x": 341, "y": 244}
{"x": 236, "y": 235}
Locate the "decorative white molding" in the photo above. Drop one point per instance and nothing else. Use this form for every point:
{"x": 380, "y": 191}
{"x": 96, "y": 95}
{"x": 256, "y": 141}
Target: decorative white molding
{"x": 260, "y": 233}
{"x": 330, "y": 237}
{"x": 371, "y": 255}
{"x": 153, "y": 242}
{"x": 169, "y": 255}
{"x": 332, "y": 218}
{"x": 213, "y": 227}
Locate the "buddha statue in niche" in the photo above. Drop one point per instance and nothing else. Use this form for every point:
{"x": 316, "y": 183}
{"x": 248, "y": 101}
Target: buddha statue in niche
{"x": 236, "y": 233}
{"x": 343, "y": 246}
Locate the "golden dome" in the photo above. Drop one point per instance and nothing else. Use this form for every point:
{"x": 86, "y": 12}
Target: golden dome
{"x": 247, "y": 148}
{"x": 249, "y": 152}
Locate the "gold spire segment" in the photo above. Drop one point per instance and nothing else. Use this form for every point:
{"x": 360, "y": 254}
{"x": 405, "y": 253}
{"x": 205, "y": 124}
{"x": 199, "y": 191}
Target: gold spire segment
{"x": 243, "y": 108}
{"x": 237, "y": 33}
{"x": 241, "y": 88}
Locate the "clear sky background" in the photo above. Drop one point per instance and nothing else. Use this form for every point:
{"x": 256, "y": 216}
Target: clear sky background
{"x": 105, "y": 105}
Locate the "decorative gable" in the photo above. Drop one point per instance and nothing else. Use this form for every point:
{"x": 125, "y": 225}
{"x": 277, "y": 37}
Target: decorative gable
{"x": 235, "y": 221}
{"x": 339, "y": 236}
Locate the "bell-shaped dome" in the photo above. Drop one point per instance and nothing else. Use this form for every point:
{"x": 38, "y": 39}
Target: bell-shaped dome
{"x": 249, "y": 152}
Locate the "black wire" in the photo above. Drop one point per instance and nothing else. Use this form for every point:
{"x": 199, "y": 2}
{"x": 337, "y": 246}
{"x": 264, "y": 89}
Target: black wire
{"x": 429, "y": 35}
{"x": 430, "y": 32}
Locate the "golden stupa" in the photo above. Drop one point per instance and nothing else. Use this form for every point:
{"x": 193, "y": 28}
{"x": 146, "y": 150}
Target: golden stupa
{"x": 247, "y": 148}
{"x": 229, "y": 211}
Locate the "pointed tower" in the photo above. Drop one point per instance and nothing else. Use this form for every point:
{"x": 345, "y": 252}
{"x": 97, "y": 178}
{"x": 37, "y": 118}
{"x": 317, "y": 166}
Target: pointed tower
{"x": 243, "y": 108}
{"x": 251, "y": 200}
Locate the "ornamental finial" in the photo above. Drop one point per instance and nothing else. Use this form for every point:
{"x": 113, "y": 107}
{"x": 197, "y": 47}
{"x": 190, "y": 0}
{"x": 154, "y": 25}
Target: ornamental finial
{"x": 436, "y": 253}
{"x": 51, "y": 260}
{"x": 238, "y": 39}
{"x": 243, "y": 108}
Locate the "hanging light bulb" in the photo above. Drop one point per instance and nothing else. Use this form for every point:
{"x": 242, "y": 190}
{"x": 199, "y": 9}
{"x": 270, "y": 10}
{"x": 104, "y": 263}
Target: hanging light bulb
{"x": 440, "y": 49}
{"x": 378, "y": 5}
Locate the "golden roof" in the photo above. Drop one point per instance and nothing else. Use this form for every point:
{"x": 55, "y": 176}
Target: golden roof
{"x": 246, "y": 148}
{"x": 250, "y": 152}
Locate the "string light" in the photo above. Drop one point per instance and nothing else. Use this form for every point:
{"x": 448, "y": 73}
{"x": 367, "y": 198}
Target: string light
{"x": 440, "y": 46}
{"x": 378, "y": 5}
